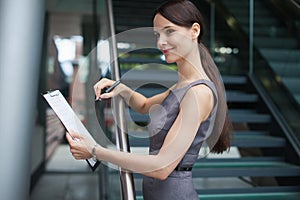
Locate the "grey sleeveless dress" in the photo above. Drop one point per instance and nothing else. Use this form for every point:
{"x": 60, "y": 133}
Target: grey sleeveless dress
{"x": 179, "y": 185}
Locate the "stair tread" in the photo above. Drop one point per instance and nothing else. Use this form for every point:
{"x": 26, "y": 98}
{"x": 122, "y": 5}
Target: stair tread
{"x": 258, "y": 170}
{"x": 263, "y": 196}
{"x": 142, "y": 60}
{"x": 273, "y": 196}
{"x": 258, "y": 141}
{"x": 138, "y": 78}
{"x": 244, "y": 164}
{"x": 239, "y": 140}
{"x": 236, "y": 116}
{"x": 248, "y": 169}
{"x": 231, "y": 95}
{"x": 247, "y": 190}
{"x": 270, "y": 192}
{"x": 288, "y": 55}
{"x": 236, "y": 132}
{"x": 242, "y": 159}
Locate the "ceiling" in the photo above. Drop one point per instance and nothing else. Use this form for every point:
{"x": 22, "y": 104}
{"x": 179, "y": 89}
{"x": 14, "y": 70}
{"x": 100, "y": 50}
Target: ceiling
{"x": 127, "y": 14}
{"x": 133, "y": 14}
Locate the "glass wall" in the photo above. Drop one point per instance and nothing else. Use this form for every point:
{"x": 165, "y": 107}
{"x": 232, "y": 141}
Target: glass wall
{"x": 267, "y": 38}
{"x": 79, "y": 53}
{"x": 276, "y": 58}
{"x": 76, "y": 57}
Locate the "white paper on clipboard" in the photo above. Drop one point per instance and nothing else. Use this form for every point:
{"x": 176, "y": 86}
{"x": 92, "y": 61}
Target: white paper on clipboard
{"x": 68, "y": 117}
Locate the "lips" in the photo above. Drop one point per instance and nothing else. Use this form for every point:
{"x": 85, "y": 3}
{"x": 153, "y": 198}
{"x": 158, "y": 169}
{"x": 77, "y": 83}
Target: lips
{"x": 165, "y": 51}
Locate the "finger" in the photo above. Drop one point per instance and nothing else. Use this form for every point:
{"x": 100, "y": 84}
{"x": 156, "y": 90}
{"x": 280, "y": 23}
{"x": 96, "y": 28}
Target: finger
{"x": 69, "y": 137}
{"x": 106, "y": 95}
{"x": 77, "y": 156}
{"x": 77, "y": 135}
{"x": 97, "y": 90}
{"x": 75, "y": 151}
{"x": 103, "y": 83}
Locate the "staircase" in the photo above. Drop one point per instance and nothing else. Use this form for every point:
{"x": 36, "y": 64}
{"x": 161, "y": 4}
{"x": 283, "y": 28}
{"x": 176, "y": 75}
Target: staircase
{"x": 273, "y": 41}
{"x": 258, "y": 168}
{"x": 258, "y": 165}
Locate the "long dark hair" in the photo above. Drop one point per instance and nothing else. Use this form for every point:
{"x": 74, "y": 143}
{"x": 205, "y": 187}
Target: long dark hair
{"x": 185, "y": 13}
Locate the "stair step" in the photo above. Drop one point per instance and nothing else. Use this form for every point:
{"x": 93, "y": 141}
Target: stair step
{"x": 271, "y": 31}
{"x": 255, "y": 169}
{"x": 141, "y": 61}
{"x": 248, "y": 116}
{"x": 167, "y": 77}
{"x": 250, "y": 132}
{"x": 245, "y": 196}
{"x": 144, "y": 134}
{"x": 242, "y": 159}
{"x": 260, "y": 21}
{"x": 138, "y": 78}
{"x": 292, "y": 84}
{"x": 232, "y": 96}
{"x": 258, "y": 141}
{"x": 239, "y": 140}
{"x": 236, "y": 117}
{"x": 153, "y": 51}
{"x": 250, "y": 190}
{"x": 286, "y": 69}
{"x": 297, "y": 97}
{"x": 281, "y": 55}
{"x": 240, "y": 168}
{"x": 268, "y": 42}
{"x": 245, "y": 13}
{"x": 234, "y": 80}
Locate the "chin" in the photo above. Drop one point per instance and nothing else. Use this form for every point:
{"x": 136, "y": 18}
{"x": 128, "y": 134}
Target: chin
{"x": 170, "y": 59}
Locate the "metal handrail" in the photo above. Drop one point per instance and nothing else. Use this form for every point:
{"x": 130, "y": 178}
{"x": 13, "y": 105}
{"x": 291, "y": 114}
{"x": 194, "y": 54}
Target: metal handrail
{"x": 126, "y": 178}
{"x": 251, "y": 36}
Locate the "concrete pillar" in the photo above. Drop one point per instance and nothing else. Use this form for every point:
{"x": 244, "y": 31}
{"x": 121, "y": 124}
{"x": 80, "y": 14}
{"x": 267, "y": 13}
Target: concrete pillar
{"x": 21, "y": 24}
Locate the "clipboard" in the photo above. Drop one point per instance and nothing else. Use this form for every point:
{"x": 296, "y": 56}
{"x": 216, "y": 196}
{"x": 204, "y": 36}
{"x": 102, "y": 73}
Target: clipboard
{"x": 68, "y": 118}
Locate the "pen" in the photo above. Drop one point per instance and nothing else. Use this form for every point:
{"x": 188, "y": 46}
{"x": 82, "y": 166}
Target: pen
{"x": 111, "y": 87}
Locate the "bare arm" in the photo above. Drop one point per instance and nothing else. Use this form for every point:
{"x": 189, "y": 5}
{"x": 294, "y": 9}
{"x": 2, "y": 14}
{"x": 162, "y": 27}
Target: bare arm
{"x": 135, "y": 100}
{"x": 195, "y": 107}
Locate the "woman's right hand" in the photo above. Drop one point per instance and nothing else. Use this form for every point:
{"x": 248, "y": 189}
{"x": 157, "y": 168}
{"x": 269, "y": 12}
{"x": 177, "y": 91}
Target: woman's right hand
{"x": 102, "y": 84}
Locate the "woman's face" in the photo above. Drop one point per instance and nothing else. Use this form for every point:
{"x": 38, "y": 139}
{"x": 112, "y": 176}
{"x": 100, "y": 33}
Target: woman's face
{"x": 176, "y": 42}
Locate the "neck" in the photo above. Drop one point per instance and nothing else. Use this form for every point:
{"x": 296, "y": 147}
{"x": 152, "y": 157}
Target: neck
{"x": 190, "y": 68}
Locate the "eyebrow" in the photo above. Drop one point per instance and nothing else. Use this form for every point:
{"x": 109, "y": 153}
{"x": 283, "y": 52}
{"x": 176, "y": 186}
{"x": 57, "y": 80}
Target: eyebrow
{"x": 166, "y": 27}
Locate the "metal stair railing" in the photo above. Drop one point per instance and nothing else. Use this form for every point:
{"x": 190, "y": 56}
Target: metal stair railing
{"x": 126, "y": 178}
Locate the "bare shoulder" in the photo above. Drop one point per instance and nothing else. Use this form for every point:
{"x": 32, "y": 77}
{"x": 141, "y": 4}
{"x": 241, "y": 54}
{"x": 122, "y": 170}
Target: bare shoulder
{"x": 202, "y": 99}
{"x": 200, "y": 92}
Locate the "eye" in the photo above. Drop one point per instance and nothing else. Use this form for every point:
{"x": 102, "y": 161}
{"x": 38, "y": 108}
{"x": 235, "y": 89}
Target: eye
{"x": 156, "y": 34}
{"x": 169, "y": 31}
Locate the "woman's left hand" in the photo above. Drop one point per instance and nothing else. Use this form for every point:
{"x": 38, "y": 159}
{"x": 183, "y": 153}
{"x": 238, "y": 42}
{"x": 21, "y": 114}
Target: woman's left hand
{"x": 81, "y": 146}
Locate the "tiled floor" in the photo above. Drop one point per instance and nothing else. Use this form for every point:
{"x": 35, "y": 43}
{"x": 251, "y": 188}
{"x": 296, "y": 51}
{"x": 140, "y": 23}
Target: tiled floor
{"x": 69, "y": 179}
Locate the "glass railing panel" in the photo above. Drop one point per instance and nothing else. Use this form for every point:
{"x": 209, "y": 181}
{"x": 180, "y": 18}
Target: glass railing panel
{"x": 276, "y": 58}
{"x": 78, "y": 56}
{"x": 268, "y": 47}
{"x": 228, "y": 38}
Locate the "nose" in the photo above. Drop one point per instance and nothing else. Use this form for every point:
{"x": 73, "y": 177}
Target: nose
{"x": 161, "y": 42}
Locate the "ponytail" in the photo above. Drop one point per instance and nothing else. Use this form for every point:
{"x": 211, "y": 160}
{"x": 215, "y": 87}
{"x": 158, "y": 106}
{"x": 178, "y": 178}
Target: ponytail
{"x": 219, "y": 140}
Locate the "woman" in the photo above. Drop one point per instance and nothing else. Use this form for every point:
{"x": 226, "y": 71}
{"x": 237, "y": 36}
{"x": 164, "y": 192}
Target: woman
{"x": 192, "y": 112}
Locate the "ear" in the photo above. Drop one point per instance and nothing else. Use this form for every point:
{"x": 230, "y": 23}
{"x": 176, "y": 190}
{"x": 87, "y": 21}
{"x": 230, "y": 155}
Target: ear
{"x": 195, "y": 30}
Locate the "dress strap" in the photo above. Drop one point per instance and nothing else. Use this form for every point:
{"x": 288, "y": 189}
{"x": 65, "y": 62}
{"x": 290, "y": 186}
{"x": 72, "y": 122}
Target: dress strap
{"x": 182, "y": 91}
